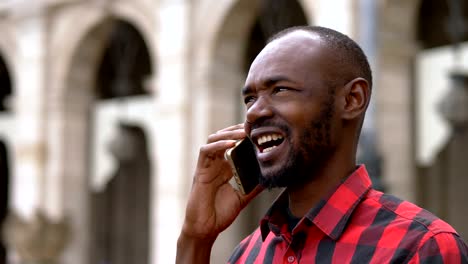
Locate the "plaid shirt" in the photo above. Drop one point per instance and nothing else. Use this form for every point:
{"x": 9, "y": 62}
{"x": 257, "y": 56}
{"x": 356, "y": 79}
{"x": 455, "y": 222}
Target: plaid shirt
{"x": 355, "y": 224}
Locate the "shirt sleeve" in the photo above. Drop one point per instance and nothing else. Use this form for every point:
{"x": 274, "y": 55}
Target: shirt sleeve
{"x": 442, "y": 248}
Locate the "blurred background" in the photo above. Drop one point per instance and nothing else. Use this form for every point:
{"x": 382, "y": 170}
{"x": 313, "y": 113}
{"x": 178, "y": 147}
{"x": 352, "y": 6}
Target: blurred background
{"x": 105, "y": 103}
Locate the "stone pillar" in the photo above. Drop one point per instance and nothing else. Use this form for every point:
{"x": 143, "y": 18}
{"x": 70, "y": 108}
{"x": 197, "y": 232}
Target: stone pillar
{"x": 394, "y": 123}
{"x": 35, "y": 229}
{"x": 30, "y": 231}
{"x": 29, "y": 106}
{"x": 394, "y": 97}
{"x": 172, "y": 129}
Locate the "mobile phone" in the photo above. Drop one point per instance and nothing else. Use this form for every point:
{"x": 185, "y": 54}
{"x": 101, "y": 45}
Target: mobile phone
{"x": 245, "y": 168}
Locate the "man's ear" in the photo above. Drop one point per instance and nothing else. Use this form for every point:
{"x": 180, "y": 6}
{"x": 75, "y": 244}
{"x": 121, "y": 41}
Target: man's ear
{"x": 356, "y": 98}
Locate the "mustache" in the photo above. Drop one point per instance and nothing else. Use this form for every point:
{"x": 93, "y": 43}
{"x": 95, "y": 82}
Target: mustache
{"x": 270, "y": 123}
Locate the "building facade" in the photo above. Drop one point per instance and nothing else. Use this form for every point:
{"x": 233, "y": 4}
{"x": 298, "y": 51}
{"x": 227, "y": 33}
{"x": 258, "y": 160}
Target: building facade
{"x": 105, "y": 104}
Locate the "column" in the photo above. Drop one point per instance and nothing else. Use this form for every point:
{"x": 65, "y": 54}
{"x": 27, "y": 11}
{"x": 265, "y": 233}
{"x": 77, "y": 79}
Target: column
{"x": 30, "y": 231}
{"x": 394, "y": 98}
{"x": 172, "y": 129}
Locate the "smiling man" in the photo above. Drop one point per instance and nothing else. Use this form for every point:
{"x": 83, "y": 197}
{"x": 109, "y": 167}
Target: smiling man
{"x": 306, "y": 95}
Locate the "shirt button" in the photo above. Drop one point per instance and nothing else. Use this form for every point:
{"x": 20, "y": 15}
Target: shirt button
{"x": 291, "y": 259}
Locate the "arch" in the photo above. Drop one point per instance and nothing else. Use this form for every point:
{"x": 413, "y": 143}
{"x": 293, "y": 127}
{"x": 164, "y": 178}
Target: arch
{"x": 225, "y": 11}
{"x": 219, "y": 13}
{"x": 125, "y": 63}
{"x": 71, "y": 114}
{"x": 95, "y": 22}
{"x": 227, "y": 73}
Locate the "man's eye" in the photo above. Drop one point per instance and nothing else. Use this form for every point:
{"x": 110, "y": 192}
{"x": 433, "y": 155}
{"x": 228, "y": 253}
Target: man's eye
{"x": 281, "y": 89}
{"x": 249, "y": 99}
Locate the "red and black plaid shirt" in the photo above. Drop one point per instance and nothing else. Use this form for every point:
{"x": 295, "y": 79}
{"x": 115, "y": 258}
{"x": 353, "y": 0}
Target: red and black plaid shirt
{"x": 355, "y": 224}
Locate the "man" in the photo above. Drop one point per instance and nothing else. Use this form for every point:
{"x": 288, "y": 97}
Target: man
{"x": 309, "y": 88}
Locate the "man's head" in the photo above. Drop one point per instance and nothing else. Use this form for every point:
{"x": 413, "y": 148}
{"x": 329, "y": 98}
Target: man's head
{"x": 306, "y": 94}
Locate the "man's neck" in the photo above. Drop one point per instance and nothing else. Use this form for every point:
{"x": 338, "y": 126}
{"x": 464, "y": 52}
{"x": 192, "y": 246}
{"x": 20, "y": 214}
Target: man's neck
{"x": 308, "y": 195}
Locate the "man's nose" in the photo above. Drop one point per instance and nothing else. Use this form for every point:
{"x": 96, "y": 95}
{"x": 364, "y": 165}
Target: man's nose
{"x": 260, "y": 109}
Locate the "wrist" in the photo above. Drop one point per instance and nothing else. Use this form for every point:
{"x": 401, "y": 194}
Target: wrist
{"x": 192, "y": 249}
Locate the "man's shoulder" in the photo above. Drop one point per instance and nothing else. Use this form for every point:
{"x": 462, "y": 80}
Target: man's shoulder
{"x": 407, "y": 213}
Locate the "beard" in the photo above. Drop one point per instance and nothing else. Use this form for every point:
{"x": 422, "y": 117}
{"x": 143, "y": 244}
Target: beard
{"x": 307, "y": 155}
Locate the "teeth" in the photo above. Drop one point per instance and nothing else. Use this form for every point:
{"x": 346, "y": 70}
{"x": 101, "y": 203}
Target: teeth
{"x": 267, "y": 138}
{"x": 268, "y": 149}
{"x": 261, "y": 140}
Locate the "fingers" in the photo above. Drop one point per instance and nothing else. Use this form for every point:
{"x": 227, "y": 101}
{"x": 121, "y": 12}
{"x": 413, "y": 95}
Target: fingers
{"x": 235, "y": 132}
{"x": 209, "y": 153}
{"x": 217, "y": 146}
{"x": 212, "y": 166}
{"x": 218, "y": 143}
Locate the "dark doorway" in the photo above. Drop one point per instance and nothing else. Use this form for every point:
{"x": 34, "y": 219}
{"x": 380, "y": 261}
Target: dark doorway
{"x": 5, "y": 92}
{"x": 5, "y": 86}
{"x": 274, "y": 16}
{"x": 442, "y": 22}
{"x": 121, "y": 210}
{"x": 4, "y": 184}
{"x": 125, "y": 64}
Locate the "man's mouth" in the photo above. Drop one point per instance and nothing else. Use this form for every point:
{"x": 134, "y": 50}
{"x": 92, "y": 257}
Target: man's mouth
{"x": 267, "y": 142}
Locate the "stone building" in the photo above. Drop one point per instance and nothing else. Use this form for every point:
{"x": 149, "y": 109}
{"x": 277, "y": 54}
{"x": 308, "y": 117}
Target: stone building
{"x": 92, "y": 89}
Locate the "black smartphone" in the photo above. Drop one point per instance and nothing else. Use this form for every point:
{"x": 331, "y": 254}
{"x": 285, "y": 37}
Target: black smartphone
{"x": 245, "y": 168}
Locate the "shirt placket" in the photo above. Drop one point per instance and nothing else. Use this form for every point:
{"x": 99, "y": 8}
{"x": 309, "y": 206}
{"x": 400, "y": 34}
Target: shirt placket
{"x": 289, "y": 256}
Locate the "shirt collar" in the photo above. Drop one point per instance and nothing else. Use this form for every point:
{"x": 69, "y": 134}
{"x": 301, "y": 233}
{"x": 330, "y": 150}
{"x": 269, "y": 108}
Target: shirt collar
{"x": 330, "y": 215}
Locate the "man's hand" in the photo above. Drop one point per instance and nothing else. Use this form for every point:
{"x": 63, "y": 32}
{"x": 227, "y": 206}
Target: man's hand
{"x": 213, "y": 203}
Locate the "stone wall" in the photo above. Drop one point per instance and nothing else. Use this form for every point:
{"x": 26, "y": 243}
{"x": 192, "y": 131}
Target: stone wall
{"x": 196, "y": 48}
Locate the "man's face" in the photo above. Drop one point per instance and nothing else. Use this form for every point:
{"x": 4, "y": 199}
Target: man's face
{"x": 290, "y": 109}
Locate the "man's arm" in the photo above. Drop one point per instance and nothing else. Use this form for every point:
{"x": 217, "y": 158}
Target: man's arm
{"x": 193, "y": 250}
{"x": 213, "y": 203}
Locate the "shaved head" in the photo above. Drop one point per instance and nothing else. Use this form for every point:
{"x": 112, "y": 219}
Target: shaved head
{"x": 346, "y": 54}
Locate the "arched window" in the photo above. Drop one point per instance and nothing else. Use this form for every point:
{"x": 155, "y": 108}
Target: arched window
{"x": 120, "y": 208}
